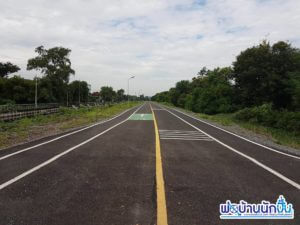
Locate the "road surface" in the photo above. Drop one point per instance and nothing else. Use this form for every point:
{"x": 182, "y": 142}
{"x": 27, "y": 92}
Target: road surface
{"x": 149, "y": 165}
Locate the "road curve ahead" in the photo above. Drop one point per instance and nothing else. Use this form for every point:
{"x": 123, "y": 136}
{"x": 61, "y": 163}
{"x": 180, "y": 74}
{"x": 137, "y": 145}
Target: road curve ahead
{"x": 149, "y": 165}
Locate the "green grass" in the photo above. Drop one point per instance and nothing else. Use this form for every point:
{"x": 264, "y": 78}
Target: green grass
{"x": 26, "y": 129}
{"x": 278, "y": 136}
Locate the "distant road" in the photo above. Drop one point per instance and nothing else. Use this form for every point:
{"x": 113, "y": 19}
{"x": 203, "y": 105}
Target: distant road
{"x": 149, "y": 165}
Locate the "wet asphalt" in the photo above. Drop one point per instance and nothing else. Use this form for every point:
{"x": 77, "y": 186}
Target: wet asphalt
{"x": 111, "y": 179}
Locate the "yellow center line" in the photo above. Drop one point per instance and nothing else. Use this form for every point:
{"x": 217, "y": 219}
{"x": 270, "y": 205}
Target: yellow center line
{"x": 162, "y": 218}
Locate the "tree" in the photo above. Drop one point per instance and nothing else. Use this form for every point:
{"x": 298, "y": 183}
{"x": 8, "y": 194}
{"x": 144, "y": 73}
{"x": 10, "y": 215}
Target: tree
{"x": 203, "y": 72}
{"x": 7, "y": 68}
{"x": 78, "y": 88}
{"x": 178, "y": 93}
{"x": 17, "y": 90}
{"x": 161, "y": 97}
{"x": 107, "y": 94}
{"x": 120, "y": 95}
{"x": 262, "y": 74}
{"x": 55, "y": 64}
{"x": 212, "y": 93}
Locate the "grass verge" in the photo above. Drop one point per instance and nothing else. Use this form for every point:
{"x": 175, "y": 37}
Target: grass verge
{"x": 27, "y": 129}
{"x": 278, "y": 136}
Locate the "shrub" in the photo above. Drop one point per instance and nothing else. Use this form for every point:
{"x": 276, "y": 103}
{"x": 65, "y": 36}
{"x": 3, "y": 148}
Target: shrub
{"x": 289, "y": 121}
{"x": 266, "y": 116}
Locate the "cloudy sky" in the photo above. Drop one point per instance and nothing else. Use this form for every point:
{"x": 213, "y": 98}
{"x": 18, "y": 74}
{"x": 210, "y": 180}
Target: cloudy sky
{"x": 158, "y": 41}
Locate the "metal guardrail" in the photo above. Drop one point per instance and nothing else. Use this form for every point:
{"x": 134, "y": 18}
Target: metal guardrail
{"x": 19, "y": 115}
{"x": 13, "y": 112}
{"x": 26, "y": 107}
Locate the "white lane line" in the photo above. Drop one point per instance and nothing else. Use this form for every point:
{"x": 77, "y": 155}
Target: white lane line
{"x": 7, "y": 183}
{"x": 253, "y": 142}
{"x": 279, "y": 175}
{"x": 60, "y": 137}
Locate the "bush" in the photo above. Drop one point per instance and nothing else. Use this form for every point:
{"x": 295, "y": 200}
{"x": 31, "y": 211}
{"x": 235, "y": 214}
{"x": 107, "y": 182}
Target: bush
{"x": 289, "y": 121}
{"x": 266, "y": 116}
{"x": 188, "y": 102}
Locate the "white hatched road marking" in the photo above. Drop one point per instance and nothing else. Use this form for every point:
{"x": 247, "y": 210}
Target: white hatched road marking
{"x": 187, "y": 135}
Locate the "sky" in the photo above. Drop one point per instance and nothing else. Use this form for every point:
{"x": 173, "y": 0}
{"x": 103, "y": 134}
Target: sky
{"x": 159, "y": 42}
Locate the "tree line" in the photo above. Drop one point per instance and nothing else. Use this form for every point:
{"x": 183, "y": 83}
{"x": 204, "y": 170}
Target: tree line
{"x": 53, "y": 86}
{"x": 262, "y": 80}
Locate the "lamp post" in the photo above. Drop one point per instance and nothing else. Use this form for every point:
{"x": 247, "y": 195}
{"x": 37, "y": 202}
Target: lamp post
{"x": 79, "y": 93}
{"x": 35, "y": 98}
{"x": 128, "y": 87}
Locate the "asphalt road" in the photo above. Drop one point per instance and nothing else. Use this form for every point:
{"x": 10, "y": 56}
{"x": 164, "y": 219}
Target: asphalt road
{"x": 149, "y": 165}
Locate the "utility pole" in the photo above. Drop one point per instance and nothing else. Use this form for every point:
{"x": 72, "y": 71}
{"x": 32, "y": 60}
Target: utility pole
{"x": 79, "y": 93}
{"x": 67, "y": 97}
{"x": 90, "y": 88}
{"x": 35, "y": 99}
{"x": 128, "y": 87}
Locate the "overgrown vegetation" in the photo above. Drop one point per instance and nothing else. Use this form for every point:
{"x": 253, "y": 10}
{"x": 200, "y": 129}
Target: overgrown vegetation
{"x": 53, "y": 84}
{"x": 30, "y": 128}
{"x": 261, "y": 88}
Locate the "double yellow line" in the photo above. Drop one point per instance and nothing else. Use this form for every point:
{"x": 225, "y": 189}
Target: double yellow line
{"x": 162, "y": 218}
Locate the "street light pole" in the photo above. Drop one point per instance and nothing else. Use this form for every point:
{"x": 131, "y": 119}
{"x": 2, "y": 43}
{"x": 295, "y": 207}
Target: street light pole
{"x": 128, "y": 87}
{"x": 79, "y": 94}
{"x": 35, "y": 99}
{"x": 67, "y": 97}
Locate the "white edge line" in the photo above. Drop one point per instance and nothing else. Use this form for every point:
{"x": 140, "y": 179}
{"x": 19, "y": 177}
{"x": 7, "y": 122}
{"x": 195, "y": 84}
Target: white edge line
{"x": 279, "y": 175}
{"x": 271, "y": 149}
{"x": 11, "y": 181}
{"x": 60, "y": 137}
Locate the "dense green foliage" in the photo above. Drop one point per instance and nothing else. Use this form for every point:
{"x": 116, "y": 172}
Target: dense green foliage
{"x": 263, "y": 83}
{"x": 78, "y": 91}
{"x": 269, "y": 117}
{"x": 210, "y": 92}
{"x": 16, "y": 90}
{"x": 265, "y": 74}
{"x": 107, "y": 94}
{"x": 8, "y": 68}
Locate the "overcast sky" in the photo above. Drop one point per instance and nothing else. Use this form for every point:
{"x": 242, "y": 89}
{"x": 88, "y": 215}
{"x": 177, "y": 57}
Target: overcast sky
{"x": 158, "y": 41}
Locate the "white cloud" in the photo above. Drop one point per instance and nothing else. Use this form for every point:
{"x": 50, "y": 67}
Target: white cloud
{"x": 159, "y": 41}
